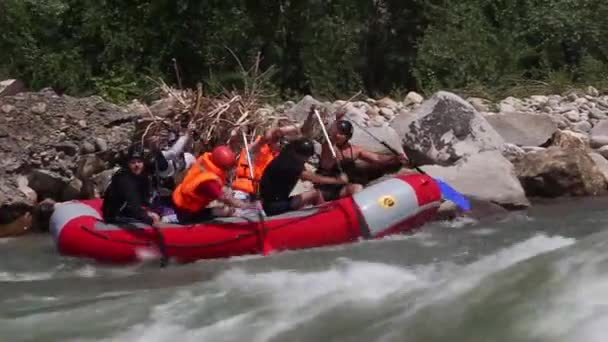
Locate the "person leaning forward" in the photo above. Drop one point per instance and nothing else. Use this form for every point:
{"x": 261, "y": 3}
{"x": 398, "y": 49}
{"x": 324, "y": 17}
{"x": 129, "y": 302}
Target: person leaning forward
{"x": 204, "y": 184}
{"x": 282, "y": 175}
{"x": 263, "y": 151}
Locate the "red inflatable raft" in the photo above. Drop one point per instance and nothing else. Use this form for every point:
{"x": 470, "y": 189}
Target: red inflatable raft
{"x": 392, "y": 206}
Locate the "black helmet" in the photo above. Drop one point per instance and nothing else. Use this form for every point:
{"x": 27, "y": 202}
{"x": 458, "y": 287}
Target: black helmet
{"x": 345, "y": 127}
{"x": 135, "y": 151}
{"x": 303, "y": 147}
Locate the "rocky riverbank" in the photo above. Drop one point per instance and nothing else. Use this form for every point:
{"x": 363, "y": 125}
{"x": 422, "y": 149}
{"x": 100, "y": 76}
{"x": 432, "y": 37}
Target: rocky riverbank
{"x": 60, "y": 148}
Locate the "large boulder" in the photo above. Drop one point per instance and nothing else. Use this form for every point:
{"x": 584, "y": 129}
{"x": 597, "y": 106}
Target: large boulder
{"x": 560, "y": 171}
{"x": 444, "y": 129}
{"x": 601, "y": 163}
{"x": 11, "y": 87}
{"x": 599, "y": 134}
{"x": 523, "y": 129}
{"x": 486, "y": 176}
{"x": 383, "y": 132}
{"x": 48, "y": 184}
{"x": 570, "y": 140}
{"x": 299, "y": 112}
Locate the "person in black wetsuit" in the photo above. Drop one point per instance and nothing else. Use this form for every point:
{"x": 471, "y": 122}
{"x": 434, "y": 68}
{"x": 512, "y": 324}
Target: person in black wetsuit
{"x": 127, "y": 198}
{"x": 282, "y": 174}
{"x": 340, "y": 134}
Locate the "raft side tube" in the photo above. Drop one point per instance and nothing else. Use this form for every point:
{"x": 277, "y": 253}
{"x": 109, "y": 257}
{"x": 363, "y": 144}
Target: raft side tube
{"x": 391, "y": 202}
{"x": 66, "y": 212}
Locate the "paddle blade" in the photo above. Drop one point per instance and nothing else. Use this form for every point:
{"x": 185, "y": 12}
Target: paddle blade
{"x": 451, "y": 194}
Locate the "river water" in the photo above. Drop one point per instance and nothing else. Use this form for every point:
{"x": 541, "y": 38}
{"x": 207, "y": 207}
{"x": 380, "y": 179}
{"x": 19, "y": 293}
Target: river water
{"x": 539, "y": 275}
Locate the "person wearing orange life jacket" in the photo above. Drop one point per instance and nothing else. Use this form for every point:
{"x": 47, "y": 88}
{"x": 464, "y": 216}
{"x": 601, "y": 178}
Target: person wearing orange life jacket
{"x": 203, "y": 184}
{"x": 263, "y": 151}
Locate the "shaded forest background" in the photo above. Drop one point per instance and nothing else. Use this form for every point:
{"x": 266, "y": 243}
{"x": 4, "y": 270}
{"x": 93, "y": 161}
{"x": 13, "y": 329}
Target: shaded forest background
{"x": 327, "y": 48}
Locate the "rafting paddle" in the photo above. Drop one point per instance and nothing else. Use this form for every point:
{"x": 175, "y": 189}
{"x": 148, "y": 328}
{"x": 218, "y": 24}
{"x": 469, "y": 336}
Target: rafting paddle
{"x": 331, "y": 146}
{"x": 264, "y": 246}
{"x": 447, "y": 190}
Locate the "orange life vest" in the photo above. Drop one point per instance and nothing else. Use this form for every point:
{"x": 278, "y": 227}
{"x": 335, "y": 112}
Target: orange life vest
{"x": 243, "y": 181}
{"x": 185, "y": 196}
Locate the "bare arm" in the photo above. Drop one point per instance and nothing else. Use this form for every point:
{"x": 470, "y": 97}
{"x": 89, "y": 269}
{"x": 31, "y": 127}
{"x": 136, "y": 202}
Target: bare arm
{"x": 272, "y": 135}
{"x": 177, "y": 148}
{"x": 375, "y": 158}
{"x": 318, "y": 179}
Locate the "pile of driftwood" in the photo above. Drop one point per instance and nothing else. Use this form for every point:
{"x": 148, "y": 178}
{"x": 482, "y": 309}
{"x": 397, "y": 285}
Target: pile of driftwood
{"x": 213, "y": 120}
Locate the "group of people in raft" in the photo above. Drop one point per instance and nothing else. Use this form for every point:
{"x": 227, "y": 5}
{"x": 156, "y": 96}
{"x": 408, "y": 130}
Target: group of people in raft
{"x": 145, "y": 188}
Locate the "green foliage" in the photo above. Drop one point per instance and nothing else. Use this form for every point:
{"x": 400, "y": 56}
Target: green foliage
{"x": 325, "y": 48}
{"x": 515, "y": 46}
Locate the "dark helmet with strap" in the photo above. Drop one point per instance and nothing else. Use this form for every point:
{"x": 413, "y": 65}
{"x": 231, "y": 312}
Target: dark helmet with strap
{"x": 345, "y": 127}
{"x": 303, "y": 147}
{"x": 135, "y": 152}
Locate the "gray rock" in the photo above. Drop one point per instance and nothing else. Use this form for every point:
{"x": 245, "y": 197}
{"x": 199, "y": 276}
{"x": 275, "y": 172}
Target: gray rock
{"x": 531, "y": 149}
{"x": 23, "y": 186}
{"x": 384, "y": 132}
{"x": 67, "y": 147}
{"x": 599, "y": 134}
{"x": 387, "y": 113}
{"x": 357, "y": 114}
{"x": 101, "y": 181}
{"x": 582, "y": 126}
{"x": 601, "y": 128}
{"x": 560, "y": 121}
{"x": 72, "y": 190}
{"x": 539, "y": 99}
{"x": 161, "y": 108}
{"x": 7, "y": 109}
{"x": 89, "y": 165}
{"x": 413, "y": 98}
{"x": 101, "y": 145}
{"x": 522, "y": 128}
{"x": 11, "y": 87}
{"x": 511, "y": 151}
{"x": 570, "y": 140}
{"x": 601, "y": 163}
{"x": 444, "y": 129}
{"x": 510, "y": 104}
{"x": 598, "y": 141}
{"x": 299, "y": 112}
{"x": 603, "y": 151}
{"x": 47, "y": 184}
{"x": 481, "y": 105}
{"x": 572, "y": 96}
{"x": 572, "y": 115}
{"x": 387, "y": 102}
{"x": 591, "y": 91}
{"x": 485, "y": 176}
{"x": 39, "y": 108}
{"x": 596, "y": 113}
{"x": 560, "y": 172}
{"x": 87, "y": 148}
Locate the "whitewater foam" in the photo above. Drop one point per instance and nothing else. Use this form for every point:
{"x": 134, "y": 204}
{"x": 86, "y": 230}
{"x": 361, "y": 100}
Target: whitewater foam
{"x": 375, "y": 298}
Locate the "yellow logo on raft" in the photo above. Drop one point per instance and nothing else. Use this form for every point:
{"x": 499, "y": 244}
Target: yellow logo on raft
{"x": 387, "y": 201}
